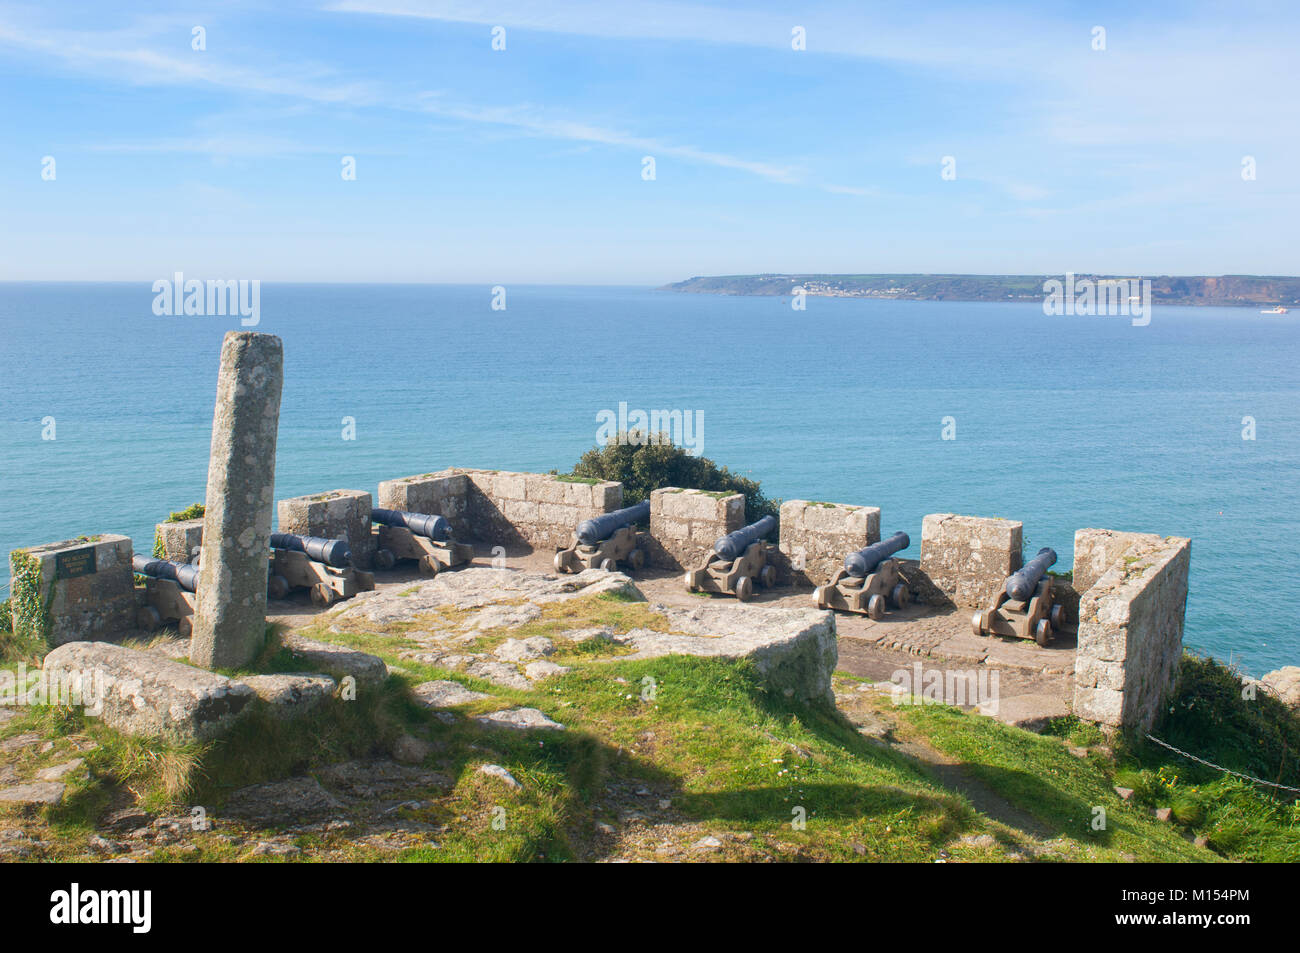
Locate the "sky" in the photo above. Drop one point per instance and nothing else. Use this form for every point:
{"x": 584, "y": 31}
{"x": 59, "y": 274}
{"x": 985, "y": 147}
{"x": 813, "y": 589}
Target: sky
{"x": 903, "y": 137}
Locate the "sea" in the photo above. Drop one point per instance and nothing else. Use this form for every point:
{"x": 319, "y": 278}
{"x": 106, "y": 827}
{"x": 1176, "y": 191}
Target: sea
{"x": 1188, "y": 426}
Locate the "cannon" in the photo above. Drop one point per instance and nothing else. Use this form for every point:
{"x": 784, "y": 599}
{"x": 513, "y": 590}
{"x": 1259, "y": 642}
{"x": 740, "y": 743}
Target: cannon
{"x": 425, "y": 537}
{"x": 606, "y": 540}
{"x": 309, "y": 562}
{"x": 169, "y": 591}
{"x": 869, "y": 580}
{"x": 736, "y": 561}
{"x": 1023, "y": 608}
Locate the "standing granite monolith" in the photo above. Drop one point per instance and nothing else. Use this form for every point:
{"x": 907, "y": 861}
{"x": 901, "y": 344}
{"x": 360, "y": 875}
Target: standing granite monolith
{"x": 230, "y": 616}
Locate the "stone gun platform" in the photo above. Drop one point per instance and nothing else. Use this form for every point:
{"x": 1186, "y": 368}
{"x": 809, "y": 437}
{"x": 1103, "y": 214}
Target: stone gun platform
{"x": 1035, "y": 682}
{"x": 476, "y": 620}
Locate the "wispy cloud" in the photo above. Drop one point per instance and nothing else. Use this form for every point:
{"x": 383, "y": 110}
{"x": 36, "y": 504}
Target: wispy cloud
{"x": 123, "y": 57}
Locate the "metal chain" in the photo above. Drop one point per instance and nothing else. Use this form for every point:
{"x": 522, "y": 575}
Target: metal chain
{"x": 1219, "y": 767}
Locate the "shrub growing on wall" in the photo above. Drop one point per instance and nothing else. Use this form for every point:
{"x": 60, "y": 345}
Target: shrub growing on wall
{"x": 642, "y": 465}
{"x": 29, "y": 614}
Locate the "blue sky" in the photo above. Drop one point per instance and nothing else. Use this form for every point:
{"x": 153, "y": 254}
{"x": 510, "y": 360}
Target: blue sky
{"x": 525, "y": 165}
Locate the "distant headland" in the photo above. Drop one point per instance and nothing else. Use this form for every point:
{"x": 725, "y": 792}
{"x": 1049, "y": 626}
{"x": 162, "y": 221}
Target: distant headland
{"x": 1223, "y": 290}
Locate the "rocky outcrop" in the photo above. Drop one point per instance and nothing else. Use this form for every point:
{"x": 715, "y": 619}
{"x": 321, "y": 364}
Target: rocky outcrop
{"x": 520, "y": 719}
{"x": 497, "y": 598}
{"x": 443, "y": 693}
{"x": 1284, "y": 683}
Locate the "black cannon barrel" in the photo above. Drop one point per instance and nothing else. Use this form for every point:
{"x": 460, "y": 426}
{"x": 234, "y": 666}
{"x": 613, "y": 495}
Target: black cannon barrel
{"x": 592, "y": 531}
{"x": 1022, "y": 583}
{"x": 733, "y": 544}
{"x": 331, "y": 552}
{"x": 183, "y": 574}
{"x": 864, "y": 562}
{"x": 429, "y": 525}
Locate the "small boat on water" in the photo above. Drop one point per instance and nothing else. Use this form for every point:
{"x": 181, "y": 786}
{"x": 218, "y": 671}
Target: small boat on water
{"x": 1278, "y": 310}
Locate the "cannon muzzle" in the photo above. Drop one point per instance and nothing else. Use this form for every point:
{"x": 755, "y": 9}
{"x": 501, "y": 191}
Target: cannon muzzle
{"x": 421, "y": 524}
{"x": 592, "y": 531}
{"x": 183, "y": 574}
{"x": 733, "y": 544}
{"x": 1021, "y": 584}
{"x": 331, "y": 552}
{"x": 864, "y": 562}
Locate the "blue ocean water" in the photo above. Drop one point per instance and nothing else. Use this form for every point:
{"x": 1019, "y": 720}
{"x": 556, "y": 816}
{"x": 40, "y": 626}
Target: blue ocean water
{"x": 1061, "y": 422}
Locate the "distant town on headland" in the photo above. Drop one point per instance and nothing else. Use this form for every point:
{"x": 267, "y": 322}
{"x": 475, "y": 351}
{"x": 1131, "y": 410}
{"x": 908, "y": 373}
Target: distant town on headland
{"x": 1224, "y": 290}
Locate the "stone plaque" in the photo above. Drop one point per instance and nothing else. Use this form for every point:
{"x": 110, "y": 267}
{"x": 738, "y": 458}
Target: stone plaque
{"x": 75, "y": 562}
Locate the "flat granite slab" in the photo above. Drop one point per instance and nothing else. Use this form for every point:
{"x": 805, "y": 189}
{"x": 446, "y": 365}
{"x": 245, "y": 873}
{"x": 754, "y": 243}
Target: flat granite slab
{"x": 495, "y": 598}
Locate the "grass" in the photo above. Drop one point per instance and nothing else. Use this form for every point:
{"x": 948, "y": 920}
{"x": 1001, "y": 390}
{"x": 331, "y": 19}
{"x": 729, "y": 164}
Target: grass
{"x": 1209, "y": 715}
{"x": 1038, "y": 775}
{"x": 658, "y": 754}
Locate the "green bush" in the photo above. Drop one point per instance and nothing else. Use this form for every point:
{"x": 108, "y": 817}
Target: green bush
{"x": 6, "y": 617}
{"x": 642, "y": 465}
{"x": 1209, "y": 717}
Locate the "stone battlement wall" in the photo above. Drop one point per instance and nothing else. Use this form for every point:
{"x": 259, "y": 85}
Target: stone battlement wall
{"x": 815, "y": 538}
{"x": 966, "y": 558}
{"x": 684, "y": 524}
{"x": 1128, "y": 591}
{"x": 87, "y": 586}
{"x": 337, "y": 514}
{"x": 1130, "y": 624}
{"x": 499, "y": 507}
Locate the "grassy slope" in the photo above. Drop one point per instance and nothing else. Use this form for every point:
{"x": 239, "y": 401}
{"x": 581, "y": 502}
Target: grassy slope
{"x": 637, "y": 774}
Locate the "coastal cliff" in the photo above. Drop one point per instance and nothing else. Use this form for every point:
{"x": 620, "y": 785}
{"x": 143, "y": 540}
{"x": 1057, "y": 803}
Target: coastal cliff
{"x": 1224, "y": 290}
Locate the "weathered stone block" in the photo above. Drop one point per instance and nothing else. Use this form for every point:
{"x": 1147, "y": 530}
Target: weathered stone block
{"x": 181, "y": 540}
{"x": 88, "y": 585}
{"x": 1130, "y": 627}
{"x": 558, "y": 514}
{"x": 440, "y": 494}
{"x": 142, "y": 693}
{"x": 794, "y": 650}
{"x": 291, "y": 695}
{"x": 1097, "y": 550}
{"x": 815, "y": 538}
{"x": 339, "y": 661}
{"x": 520, "y": 511}
{"x": 548, "y": 491}
{"x": 506, "y": 486}
{"x": 684, "y": 523}
{"x": 338, "y": 514}
{"x": 969, "y": 557}
{"x": 606, "y": 496}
